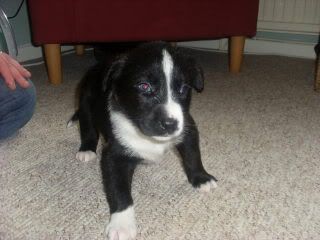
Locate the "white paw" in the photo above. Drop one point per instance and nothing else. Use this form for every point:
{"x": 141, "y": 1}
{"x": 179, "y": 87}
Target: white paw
{"x": 206, "y": 187}
{"x": 122, "y": 225}
{"x": 121, "y": 234}
{"x": 70, "y": 123}
{"x": 86, "y": 156}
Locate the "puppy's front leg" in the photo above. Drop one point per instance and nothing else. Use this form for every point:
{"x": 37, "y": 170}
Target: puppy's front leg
{"x": 117, "y": 172}
{"x": 191, "y": 159}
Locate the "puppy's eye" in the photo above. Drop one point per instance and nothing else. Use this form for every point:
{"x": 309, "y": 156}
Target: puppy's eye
{"x": 144, "y": 87}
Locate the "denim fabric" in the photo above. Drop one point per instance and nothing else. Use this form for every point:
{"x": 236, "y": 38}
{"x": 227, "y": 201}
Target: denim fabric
{"x": 16, "y": 108}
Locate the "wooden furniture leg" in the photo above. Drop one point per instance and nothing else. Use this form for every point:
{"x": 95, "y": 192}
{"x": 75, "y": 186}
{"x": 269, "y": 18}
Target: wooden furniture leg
{"x": 52, "y": 54}
{"x": 236, "y": 46}
{"x": 79, "y": 49}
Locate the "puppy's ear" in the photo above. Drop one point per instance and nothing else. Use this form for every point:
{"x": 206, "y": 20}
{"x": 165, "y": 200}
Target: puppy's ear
{"x": 113, "y": 72}
{"x": 195, "y": 74}
{"x": 193, "y": 71}
{"x": 197, "y": 80}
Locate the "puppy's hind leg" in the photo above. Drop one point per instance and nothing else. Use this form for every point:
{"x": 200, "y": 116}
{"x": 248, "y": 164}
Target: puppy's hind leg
{"x": 191, "y": 160}
{"x": 89, "y": 134}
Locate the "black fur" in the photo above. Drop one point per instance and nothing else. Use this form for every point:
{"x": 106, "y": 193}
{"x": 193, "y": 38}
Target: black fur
{"x": 118, "y": 84}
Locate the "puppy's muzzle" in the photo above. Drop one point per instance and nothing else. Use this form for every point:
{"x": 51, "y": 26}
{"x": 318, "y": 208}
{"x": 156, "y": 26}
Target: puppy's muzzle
{"x": 169, "y": 125}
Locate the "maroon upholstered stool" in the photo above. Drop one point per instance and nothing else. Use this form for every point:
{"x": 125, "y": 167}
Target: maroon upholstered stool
{"x": 77, "y": 22}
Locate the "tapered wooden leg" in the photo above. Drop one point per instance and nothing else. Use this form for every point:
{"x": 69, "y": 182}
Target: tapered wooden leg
{"x": 53, "y": 60}
{"x": 236, "y": 47}
{"x": 79, "y": 49}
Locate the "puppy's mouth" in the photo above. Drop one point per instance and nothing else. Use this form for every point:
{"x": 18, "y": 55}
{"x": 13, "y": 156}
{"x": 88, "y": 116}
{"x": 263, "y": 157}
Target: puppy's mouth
{"x": 160, "y": 133}
{"x": 164, "y": 138}
{"x": 168, "y": 137}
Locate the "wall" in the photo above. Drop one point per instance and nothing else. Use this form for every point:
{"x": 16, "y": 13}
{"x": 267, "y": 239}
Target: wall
{"x": 285, "y": 27}
{"x": 20, "y": 25}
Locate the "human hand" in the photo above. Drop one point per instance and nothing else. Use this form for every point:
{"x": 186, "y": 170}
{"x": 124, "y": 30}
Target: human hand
{"x": 13, "y": 72}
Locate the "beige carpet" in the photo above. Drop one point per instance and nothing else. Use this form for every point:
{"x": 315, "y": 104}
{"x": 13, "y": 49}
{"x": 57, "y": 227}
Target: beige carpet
{"x": 260, "y": 134}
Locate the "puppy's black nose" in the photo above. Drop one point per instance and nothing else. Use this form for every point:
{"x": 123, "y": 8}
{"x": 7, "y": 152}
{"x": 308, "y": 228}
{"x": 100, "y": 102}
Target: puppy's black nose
{"x": 169, "y": 124}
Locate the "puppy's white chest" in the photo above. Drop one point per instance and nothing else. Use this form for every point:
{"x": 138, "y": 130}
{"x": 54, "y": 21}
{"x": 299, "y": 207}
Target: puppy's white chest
{"x": 135, "y": 143}
{"x": 149, "y": 150}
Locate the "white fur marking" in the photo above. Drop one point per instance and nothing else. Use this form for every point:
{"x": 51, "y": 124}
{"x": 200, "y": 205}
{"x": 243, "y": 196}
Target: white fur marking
{"x": 138, "y": 144}
{"x": 86, "y": 156}
{"x": 70, "y": 123}
{"x": 208, "y": 186}
{"x": 122, "y": 225}
{"x": 173, "y": 109}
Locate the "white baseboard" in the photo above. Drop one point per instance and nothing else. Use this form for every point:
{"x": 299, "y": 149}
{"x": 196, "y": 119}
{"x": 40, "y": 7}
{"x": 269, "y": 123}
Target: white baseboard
{"x": 265, "y": 47}
{"x": 28, "y": 52}
{"x": 259, "y": 47}
{"x": 253, "y": 46}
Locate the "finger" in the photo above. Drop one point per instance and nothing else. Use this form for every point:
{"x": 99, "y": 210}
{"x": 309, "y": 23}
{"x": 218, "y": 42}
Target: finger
{"x": 7, "y": 75}
{"x": 24, "y": 72}
{"x": 19, "y": 78}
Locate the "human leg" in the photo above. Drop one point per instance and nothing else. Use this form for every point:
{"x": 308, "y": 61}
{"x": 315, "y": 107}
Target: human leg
{"x": 16, "y": 108}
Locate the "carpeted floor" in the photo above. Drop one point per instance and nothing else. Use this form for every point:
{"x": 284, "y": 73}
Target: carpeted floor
{"x": 260, "y": 134}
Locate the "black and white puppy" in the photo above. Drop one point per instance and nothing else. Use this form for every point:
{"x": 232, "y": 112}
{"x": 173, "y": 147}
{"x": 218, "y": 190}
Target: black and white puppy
{"x": 140, "y": 104}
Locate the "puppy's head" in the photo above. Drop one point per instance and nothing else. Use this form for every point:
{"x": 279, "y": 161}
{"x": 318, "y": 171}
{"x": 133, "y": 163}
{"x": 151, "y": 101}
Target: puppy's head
{"x": 151, "y": 87}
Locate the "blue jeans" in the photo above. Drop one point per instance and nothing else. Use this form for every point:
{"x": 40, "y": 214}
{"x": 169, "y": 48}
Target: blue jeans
{"x": 16, "y": 108}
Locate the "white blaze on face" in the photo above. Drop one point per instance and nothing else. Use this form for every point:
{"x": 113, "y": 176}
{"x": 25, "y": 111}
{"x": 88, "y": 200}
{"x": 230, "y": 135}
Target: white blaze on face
{"x": 173, "y": 109}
